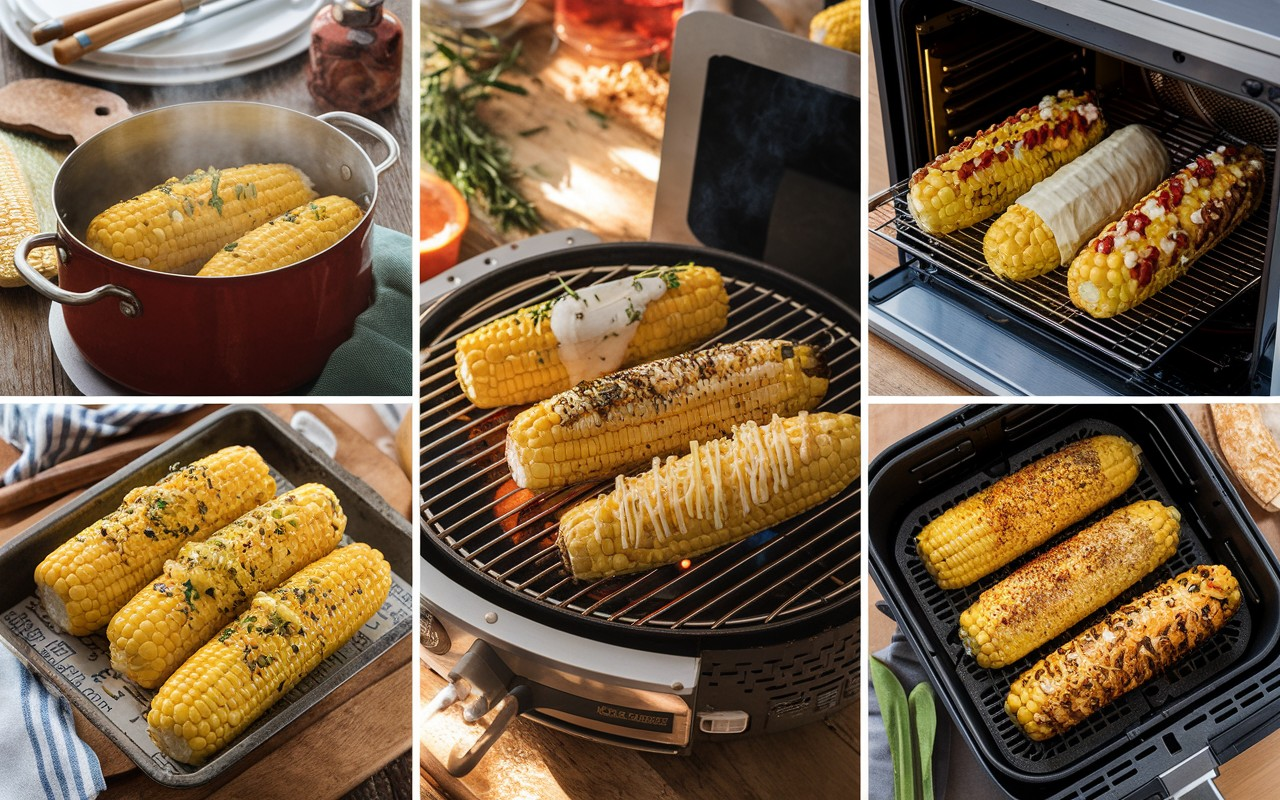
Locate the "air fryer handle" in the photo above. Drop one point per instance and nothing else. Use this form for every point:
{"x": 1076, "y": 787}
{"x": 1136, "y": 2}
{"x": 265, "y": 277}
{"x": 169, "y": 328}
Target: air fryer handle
{"x": 1193, "y": 778}
{"x": 1205, "y": 790}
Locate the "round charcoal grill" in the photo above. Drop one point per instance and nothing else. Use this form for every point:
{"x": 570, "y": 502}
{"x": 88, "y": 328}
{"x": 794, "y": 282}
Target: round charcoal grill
{"x": 800, "y": 576}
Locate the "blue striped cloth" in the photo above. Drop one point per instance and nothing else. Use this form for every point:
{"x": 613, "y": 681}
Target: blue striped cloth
{"x": 48, "y": 433}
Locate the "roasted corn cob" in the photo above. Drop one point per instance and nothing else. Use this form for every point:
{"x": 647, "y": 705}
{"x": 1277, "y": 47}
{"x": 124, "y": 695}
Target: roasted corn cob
{"x": 985, "y": 173}
{"x": 1048, "y": 224}
{"x": 1163, "y": 235}
{"x": 90, "y": 577}
{"x": 722, "y": 491}
{"x": 18, "y": 221}
{"x": 838, "y": 26}
{"x": 289, "y": 238}
{"x": 259, "y": 657}
{"x": 1046, "y": 596}
{"x": 611, "y": 424}
{"x": 578, "y": 335}
{"x": 1123, "y": 651}
{"x": 209, "y": 582}
{"x": 179, "y": 225}
{"x": 1022, "y": 511}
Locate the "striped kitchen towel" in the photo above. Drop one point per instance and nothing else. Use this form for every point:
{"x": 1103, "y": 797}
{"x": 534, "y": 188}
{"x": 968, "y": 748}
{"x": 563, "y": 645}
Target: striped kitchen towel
{"x": 48, "y": 433}
{"x": 42, "y": 756}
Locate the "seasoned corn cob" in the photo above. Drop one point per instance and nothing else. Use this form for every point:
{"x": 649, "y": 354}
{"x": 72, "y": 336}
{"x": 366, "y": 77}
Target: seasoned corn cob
{"x": 18, "y": 221}
{"x": 985, "y": 173}
{"x": 259, "y": 657}
{"x": 1045, "y": 597}
{"x": 548, "y": 348}
{"x": 1122, "y": 652}
{"x": 297, "y": 234}
{"x": 839, "y": 26}
{"x": 1022, "y": 511}
{"x": 1048, "y": 224}
{"x": 90, "y": 577}
{"x": 722, "y": 491}
{"x": 179, "y": 225}
{"x": 612, "y": 424}
{"x": 209, "y": 582}
{"x": 1163, "y": 235}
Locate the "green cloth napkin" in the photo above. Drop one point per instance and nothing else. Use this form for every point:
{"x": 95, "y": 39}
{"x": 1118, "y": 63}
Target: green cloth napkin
{"x": 378, "y": 358}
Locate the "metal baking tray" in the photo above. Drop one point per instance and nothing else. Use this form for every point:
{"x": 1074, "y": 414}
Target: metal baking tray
{"x": 79, "y": 667}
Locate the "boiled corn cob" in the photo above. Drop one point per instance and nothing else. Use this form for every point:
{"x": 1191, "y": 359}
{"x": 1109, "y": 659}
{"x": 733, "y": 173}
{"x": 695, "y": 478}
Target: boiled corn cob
{"x": 209, "y": 582}
{"x": 544, "y": 349}
{"x": 986, "y": 173}
{"x": 722, "y": 491}
{"x": 1022, "y": 511}
{"x": 1166, "y": 231}
{"x": 90, "y": 577}
{"x": 18, "y": 221}
{"x": 1048, "y": 595}
{"x": 611, "y": 424}
{"x": 1048, "y": 224}
{"x": 1122, "y": 652}
{"x": 180, "y": 224}
{"x": 838, "y": 26}
{"x": 259, "y": 657}
{"x": 295, "y": 235}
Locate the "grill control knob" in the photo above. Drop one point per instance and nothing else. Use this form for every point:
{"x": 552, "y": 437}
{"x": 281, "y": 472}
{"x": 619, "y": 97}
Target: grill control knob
{"x": 1252, "y": 87}
{"x": 727, "y": 722}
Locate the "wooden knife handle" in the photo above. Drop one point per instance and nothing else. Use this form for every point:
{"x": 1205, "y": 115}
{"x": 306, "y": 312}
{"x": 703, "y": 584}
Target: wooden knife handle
{"x": 70, "y": 49}
{"x": 60, "y": 27}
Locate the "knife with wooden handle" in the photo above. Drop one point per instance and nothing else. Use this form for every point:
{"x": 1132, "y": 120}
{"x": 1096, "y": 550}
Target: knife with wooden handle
{"x": 73, "y": 47}
{"x": 60, "y": 27}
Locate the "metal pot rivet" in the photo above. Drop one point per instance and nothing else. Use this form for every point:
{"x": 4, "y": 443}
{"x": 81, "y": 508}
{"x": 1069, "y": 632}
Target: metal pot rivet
{"x": 128, "y": 309}
{"x": 346, "y": 172}
{"x": 491, "y": 617}
{"x": 677, "y": 687}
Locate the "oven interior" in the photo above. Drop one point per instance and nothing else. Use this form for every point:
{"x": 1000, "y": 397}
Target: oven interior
{"x": 957, "y": 70}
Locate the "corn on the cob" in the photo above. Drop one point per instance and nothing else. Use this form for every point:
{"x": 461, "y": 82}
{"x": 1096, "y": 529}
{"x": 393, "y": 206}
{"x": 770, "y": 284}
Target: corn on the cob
{"x": 90, "y": 577}
{"x": 18, "y": 221}
{"x": 578, "y": 335}
{"x": 293, "y": 236}
{"x": 722, "y": 491}
{"x": 179, "y": 225}
{"x": 986, "y": 173}
{"x": 209, "y": 582}
{"x": 1022, "y": 511}
{"x": 1048, "y": 224}
{"x": 611, "y": 424}
{"x": 1123, "y": 651}
{"x": 1250, "y": 448}
{"x": 1166, "y": 231}
{"x": 839, "y": 26}
{"x": 259, "y": 657}
{"x": 1046, "y": 596}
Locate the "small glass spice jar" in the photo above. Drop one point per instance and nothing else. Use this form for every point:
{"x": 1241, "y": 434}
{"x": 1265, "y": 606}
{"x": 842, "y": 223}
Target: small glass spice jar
{"x": 356, "y": 48}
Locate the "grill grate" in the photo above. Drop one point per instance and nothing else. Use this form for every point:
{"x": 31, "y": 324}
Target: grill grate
{"x": 470, "y": 508}
{"x": 1138, "y": 338}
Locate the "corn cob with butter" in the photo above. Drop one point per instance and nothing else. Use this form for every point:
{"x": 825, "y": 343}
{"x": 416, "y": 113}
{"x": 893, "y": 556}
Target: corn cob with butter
{"x": 838, "y": 26}
{"x": 209, "y": 582}
{"x": 297, "y": 234}
{"x": 987, "y": 172}
{"x": 258, "y": 658}
{"x": 18, "y": 221}
{"x": 611, "y": 424}
{"x": 90, "y": 577}
{"x": 1165, "y": 232}
{"x": 722, "y": 491}
{"x": 1122, "y": 652}
{"x": 1024, "y": 510}
{"x": 1047, "y": 596}
{"x": 582, "y": 334}
{"x": 180, "y": 224}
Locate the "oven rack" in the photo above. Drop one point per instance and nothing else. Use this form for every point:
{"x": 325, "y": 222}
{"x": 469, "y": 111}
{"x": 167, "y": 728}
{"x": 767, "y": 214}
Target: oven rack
{"x": 1138, "y": 338}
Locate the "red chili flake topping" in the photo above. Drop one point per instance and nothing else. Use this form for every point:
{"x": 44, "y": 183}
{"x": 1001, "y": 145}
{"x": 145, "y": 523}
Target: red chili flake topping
{"x": 1063, "y": 129}
{"x": 1104, "y": 245}
{"x": 1043, "y": 133}
{"x": 1204, "y": 168}
{"x": 1175, "y": 191}
{"x": 1003, "y": 155}
{"x": 1180, "y": 240}
{"x": 1231, "y": 151}
{"x": 1029, "y": 138}
{"x": 1165, "y": 200}
{"x": 1137, "y": 221}
{"x": 984, "y": 159}
{"x": 966, "y": 169}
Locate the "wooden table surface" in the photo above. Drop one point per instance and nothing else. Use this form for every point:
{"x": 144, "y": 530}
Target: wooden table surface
{"x": 355, "y": 743}
{"x": 30, "y": 366}
{"x": 1256, "y": 772}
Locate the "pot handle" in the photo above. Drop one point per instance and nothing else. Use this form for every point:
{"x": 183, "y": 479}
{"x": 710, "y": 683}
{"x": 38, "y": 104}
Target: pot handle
{"x": 129, "y": 305}
{"x": 373, "y": 129}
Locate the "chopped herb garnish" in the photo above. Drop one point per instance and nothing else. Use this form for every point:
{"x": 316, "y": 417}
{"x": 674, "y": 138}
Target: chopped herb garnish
{"x": 190, "y": 592}
{"x": 264, "y": 661}
{"x": 214, "y": 199}
{"x": 188, "y": 207}
{"x": 226, "y": 634}
{"x": 600, "y": 117}
{"x": 277, "y": 513}
{"x": 568, "y": 289}
{"x": 231, "y": 246}
{"x": 633, "y": 316}
{"x": 290, "y": 217}
{"x": 527, "y": 132}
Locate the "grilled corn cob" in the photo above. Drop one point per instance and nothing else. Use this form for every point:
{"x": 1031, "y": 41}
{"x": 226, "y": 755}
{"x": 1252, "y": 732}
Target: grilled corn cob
{"x": 289, "y": 238}
{"x": 611, "y": 424}
{"x": 1046, "y": 596}
{"x": 544, "y": 349}
{"x": 838, "y": 26}
{"x": 722, "y": 491}
{"x": 18, "y": 221}
{"x": 259, "y": 657}
{"x": 1123, "y": 651}
{"x": 180, "y": 224}
{"x": 90, "y": 577}
{"x": 1022, "y": 511}
{"x": 1163, "y": 235}
{"x": 985, "y": 173}
{"x": 1047, "y": 225}
{"x": 209, "y": 582}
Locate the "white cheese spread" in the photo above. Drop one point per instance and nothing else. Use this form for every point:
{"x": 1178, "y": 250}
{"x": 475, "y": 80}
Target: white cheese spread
{"x": 594, "y": 326}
